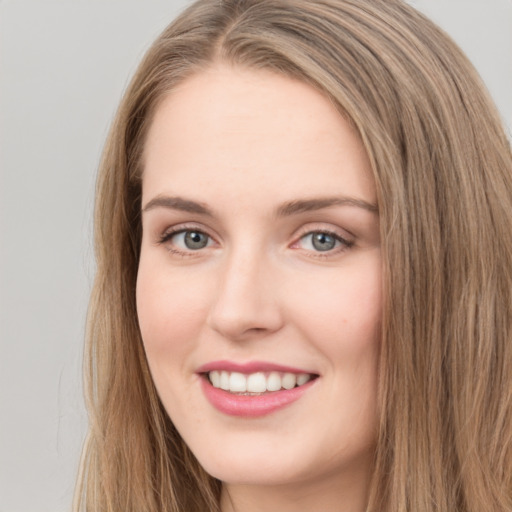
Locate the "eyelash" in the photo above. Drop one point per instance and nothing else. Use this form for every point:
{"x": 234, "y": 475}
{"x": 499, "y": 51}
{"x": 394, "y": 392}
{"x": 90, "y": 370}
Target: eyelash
{"x": 168, "y": 235}
{"x": 344, "y": 243}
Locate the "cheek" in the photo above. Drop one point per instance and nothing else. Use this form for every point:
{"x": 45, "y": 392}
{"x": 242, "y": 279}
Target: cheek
{"x": 342, "y": 310}
{"x": 170, "y": 309}
{"x": 171, "y": 317}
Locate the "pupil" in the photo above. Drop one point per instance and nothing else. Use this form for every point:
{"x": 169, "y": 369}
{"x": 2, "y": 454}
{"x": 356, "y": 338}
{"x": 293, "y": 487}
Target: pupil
{"x": 195, "y": 240}
{"x": 323, "y": 242}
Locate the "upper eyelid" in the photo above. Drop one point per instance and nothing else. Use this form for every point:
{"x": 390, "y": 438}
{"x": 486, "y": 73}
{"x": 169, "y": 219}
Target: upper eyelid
{"x": 165, "y": 237}
{"x": 342, "y": 233}
{"x": 180, "y": 228}
{"x": 328, "y": 228}
{"x": 324, "y": 232}
{"x": 343, "y": 240}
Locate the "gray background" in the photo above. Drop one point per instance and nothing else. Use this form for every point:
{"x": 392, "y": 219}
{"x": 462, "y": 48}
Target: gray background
{"x": 63, "y": 67}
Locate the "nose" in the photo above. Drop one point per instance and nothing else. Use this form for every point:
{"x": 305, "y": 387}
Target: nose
{"x": 246, "y": 302}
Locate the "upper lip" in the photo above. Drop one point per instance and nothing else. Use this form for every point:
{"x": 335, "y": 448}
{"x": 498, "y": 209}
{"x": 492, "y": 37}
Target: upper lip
{"x": 250, "y": 367}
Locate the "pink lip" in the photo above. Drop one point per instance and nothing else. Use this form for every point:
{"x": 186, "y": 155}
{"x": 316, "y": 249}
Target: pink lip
{"x": 250, "y": 406}
{"x": 249, "y": 367}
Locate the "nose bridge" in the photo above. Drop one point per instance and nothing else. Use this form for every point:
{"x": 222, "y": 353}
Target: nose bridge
{"x": 245, "y": 300}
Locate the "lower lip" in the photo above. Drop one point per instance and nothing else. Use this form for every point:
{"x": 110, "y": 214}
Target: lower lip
{"x": 252, "y": 406}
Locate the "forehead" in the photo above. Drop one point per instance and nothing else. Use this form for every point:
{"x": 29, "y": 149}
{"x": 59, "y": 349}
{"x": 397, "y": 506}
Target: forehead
{"x": 244, "y": 129}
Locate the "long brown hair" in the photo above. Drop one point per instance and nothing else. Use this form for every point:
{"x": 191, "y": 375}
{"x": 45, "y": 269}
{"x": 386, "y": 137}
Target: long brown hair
{"x": 443, "y": 171}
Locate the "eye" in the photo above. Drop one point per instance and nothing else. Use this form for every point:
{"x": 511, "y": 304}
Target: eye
{"x": 322, "y": 241}
{"x": 187, "y": 240}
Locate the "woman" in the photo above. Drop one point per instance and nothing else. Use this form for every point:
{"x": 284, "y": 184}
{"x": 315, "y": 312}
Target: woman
{"x": 304, "y": 245}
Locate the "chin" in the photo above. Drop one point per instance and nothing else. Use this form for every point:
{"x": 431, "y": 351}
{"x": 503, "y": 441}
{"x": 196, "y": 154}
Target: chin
{"x": 253, "y": 472}
{"x": 255, "y": 461}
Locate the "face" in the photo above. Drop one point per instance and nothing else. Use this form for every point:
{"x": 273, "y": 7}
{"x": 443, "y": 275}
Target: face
{"x": 258, "y": 291}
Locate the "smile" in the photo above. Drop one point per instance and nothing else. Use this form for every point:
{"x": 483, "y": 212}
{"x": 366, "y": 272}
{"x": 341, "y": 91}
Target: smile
{"x": 253, "y": 389}
{"x": 258, "y": 382}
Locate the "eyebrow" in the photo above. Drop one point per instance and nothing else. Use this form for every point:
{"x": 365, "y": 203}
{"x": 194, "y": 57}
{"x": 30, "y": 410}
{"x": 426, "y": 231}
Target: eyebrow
{"x": 178, "y": 203}
{"x": 284, "y": 210}
{"x": 308, "y": 205}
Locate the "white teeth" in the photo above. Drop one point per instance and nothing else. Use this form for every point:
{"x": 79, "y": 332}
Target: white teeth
{"x": 258, "y": 382}
{"x": 303, "y": 378}
{"x": 289, "y": 380}
{"x": 224, "y": 381}
{"x": 274, "y": 382}
{"x": 215, "y": 378}
{"x": 237, "y": 382}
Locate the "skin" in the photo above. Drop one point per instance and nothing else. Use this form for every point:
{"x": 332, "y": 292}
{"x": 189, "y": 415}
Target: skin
{"x": 243, "y": 143}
